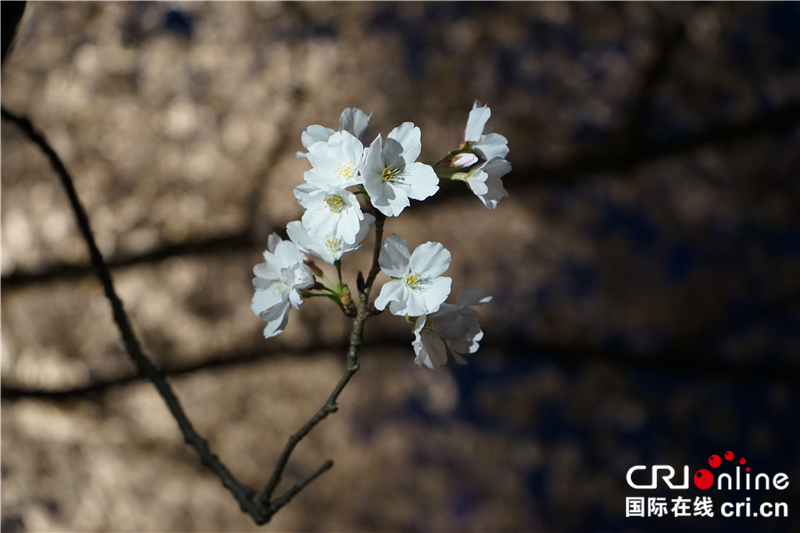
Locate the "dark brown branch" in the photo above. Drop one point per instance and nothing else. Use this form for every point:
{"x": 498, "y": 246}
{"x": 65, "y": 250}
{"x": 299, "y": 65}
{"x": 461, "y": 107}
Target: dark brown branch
{"x": 242, "y": 493}
{"x": 671, "y": 33}
{"x": 264, "y": 507}
{"x": 692, "y": 363}
{"x": 575, "y": 169}
{"x": 351, "y": 367}
{"x": 581, "y": 167}
{"x": 12, "y": 15}
{"x": 380, "y": 218}
{"x": 685, "y": 356}
{"x": 232, "y": 242}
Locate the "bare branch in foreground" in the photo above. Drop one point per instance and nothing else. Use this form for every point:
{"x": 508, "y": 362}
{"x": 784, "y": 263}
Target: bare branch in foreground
{"x": 262, "y": 509}
{"x": 351, "y": 367}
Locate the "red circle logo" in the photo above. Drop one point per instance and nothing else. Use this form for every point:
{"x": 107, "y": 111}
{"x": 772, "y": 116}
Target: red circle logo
{"x": 714, "y": 461}
{"x": 729, "y": 456}
{"x": 703, "y": 479}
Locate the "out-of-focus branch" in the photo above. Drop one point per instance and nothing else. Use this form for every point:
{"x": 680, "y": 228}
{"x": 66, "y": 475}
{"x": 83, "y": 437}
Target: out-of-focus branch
{"x": 264, "y": 507}
{"x": 670, "y": 34}
{"x": 604, "y": 161}
{"x": 687, "y": 356}
{"x": 242, "y": 493}
{"x": 575, "y": 169}
{"x": 12, "y": 14}
{"x": 582, "y": 167}
{"x": 232, "y": 242}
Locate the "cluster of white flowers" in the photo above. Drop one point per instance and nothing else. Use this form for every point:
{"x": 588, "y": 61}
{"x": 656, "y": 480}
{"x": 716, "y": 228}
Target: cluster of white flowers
{"x": 386, "y": 175}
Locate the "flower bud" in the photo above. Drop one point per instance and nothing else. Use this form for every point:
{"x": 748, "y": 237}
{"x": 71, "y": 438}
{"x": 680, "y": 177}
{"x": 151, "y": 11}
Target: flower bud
{"x": 313, "y": 266}
{"x": 345, "y": 297}
{"x": 464, "y": 159}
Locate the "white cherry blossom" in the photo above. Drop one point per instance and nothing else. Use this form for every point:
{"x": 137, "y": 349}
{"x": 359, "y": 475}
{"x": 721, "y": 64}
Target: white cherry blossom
{"x": 330, "y": 212}
{"x": 485, "y": 181}
{"x": 452, "y": 328}
{"x": 417, "y": 287}
{"x": 391, "y": 174}
{"x": 352, "y": 120}
{"x": 490, "y": 145}
{"x": 328, "y": 248}
{"x": 278, "y": 283}
{"x": 336, "y": 162}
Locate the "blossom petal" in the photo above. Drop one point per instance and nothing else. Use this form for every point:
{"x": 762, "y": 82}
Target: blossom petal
{"x": 319, "y": 222}
{"x": 476, "y": 122}
{"x": 299, "y": 235}
{"x": 348, "y": 228}
{"x": 473, "y": 296}
{"x": 272, "y": 242}
{"x": 431, "y": 260}
{"x": 389, "y": 293}
{"x": 392, "y": 202}
{"x": 411, "y": 302}
{"x": 295, "y": 298}
{"x": 266, "y": 270}
{"x": 420, "y": 181}
{"x": 394, "y": 257}
{"x": 300, "y": 276}
{"x": 457, "y": 357}
{"x": 276, "y": 327}
{"x": 447, "y": 313}
{"x": 371, "y": 171}
{"x": 436, "y": 350}
{"x": 288, "y": 252}
{"x": 305, "y": 194}
{"x": 266, "y": 301}
{"x": 410, "y": 139}
{"x": 477, "y": 182}
{"x": 365, "y": 223}
{"x": 435, "y": 294}
{"x": 495, "y": 192}
{"x": 315, "y": 134}
{"x": 353, "y": 120}
{"x": 422, "y": 357}
{"x": 419, "y": 324}
{"x": 497, "y": 168}
{"x": 491, "y": 146}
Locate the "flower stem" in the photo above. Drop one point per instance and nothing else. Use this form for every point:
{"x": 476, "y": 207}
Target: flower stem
{"x": 338, "y": 265}
{"x": 268, "y": 506}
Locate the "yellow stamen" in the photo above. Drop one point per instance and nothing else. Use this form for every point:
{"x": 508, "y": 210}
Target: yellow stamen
{"x": 332, "y": 242}
{"x": 413, "y": 279}
{"x": 277, "y": 287}
{"x": 391, "y": 174}
{"x": 335, "y": 203}
{"x": 345, "y": 170}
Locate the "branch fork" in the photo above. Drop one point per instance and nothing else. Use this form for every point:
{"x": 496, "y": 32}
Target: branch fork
{"x": 260, "y": 506}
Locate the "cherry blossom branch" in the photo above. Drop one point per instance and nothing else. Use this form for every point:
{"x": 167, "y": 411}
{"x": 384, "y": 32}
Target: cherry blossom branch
{"x": 263, "y": 508}
{"x": 270, "y": 507}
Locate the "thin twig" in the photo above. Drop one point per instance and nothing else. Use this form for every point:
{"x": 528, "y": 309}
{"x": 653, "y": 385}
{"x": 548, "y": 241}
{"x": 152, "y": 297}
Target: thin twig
{"x": 380, "y": 218}
{"x": 263, "y": 508}
{"x": 330, "y": 406}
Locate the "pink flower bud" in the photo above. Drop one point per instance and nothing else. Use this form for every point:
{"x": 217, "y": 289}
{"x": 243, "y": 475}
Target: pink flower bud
{"x": 464, "y": 160}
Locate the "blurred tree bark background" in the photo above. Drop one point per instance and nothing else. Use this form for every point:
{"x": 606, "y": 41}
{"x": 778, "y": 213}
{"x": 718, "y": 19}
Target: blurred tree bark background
{"x": 645, "y": 268}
